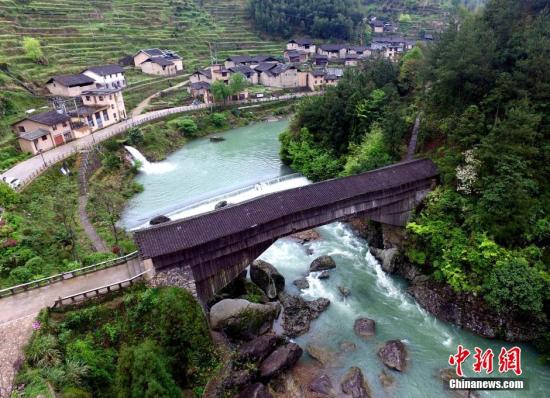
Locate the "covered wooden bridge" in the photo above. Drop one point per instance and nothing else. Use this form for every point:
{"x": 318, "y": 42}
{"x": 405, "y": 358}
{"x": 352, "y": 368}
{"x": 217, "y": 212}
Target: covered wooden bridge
{"x": 219, "y": 245}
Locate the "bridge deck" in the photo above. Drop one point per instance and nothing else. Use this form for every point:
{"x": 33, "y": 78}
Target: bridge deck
{"x": 218, "y": 245}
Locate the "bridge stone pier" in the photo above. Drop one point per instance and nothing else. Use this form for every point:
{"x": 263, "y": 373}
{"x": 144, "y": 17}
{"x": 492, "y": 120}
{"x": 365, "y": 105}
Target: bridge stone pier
{"x": 216, "y": 247}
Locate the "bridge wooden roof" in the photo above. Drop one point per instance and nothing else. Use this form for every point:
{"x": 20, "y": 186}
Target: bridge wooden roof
{"x": 183, "y": 234}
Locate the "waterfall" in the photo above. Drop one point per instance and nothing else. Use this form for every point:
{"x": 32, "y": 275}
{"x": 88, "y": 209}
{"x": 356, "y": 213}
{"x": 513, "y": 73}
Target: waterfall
{"x": 148, "y": 167}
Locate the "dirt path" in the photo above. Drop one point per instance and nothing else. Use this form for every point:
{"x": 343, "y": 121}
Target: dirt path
{"x": 99, "y": 244}
{"x": 13, "y": 338}
{"x": 138, "y": 110}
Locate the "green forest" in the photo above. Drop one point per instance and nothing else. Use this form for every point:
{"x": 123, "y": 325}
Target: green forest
{"x": 326, "y": 19}
{"x": 482, "y": 92}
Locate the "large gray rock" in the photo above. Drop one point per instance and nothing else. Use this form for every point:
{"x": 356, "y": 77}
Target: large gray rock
{"x": 387, "y": 258}
{"x": 322, "y": 263}
{"x": 364, "y": 328}
{"x": 447, "y": 374}
{"x": 281, "y": 359}
{"x": 256, "y": 390}
{"x": 267, "y": 278}
{"x": 354, "y": 384}
{"x": 298, "y": 313}
{"x": 394, "y": 355}
{"x": 322, "y": 385}
{"x": 344, "y": 291}
{"x": 259, "y": 348}
{"x": 241, "y": 319}
{"x": 301, "y": 283}
{"x": 306, "y": 236}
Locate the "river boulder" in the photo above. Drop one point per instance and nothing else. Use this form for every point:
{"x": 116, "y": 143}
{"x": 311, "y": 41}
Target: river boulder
{"x": 256, "y": 390}
{"x": 298, "y": 313}
{"x": 322, "y": 263}
{"x": 394, "y": 355}
{"x": 306, "y": 236}
{"x": 386, "y": 379}
{"x": 241, "y": 319}
{"x": 324, "y": 275}
{"x": 347, "y": 346}
{"x": 344, "y": 291}
{"x": 258, "y": 348}
{"x": 281, "y": 359}
{"x": 386, "y": 257}
{"x": 364, "y": 328}
{"x": 322, "y": 385}
{"x": 159, "y": 220}
{"x": 321, "y": 354}
{"x": 354, "y": 384}
{"x": 301, "y": 283}
{"x": 447, "y": 374}
{"x": 267, "y": 278}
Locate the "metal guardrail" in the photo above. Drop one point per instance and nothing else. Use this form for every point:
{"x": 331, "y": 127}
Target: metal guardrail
{"x": 10, "y": 291}
{"x": 113, "y": 287}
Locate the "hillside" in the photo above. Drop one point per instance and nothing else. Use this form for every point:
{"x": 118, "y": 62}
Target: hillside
{"x": 75, "y": 34}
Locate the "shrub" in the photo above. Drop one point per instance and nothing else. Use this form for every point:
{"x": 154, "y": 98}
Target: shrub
{"x": 514, "y": 285}
{"x": 111, "y": 162}
{"x": 135, "y": 136}
{"x": 143, "y": 371}
{"x": 74, "y": 392}
{"x": 218, "y": 119}
{"x": 43, "y": 351}
{"x": 33, "y": 50}
{"x": 187, "y": 126}
{"x": 97, "y": 257}
{"x": 8, "y": 197}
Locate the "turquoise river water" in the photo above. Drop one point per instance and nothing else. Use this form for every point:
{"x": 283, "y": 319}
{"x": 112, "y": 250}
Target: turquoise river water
{"x": 248, "y": 156}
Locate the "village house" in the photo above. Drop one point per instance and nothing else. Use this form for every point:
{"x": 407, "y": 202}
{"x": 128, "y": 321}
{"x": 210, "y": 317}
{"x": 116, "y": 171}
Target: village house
{"x": 43, "y": 131}
{"x": 320, "y": 60}
{"x": 219, "y": 72}
{"x": 201, "y": 75}
{"x": 201, "y": 91}
{"x": 169, "y": 55}
{"x": 109, "y": 104}
{"x": 281, "y": 76}
{"x": 107, "y": 76}
{"x": 391, "y": 46}
{"x": 351, "y": 60}
{"x": 318, "y": 79}
{"x": 296, "y": 56}
{"x": 248, "y": 60}
{"x": 360, "y": 51}
{"x": 159, "y": 66}
{"x": 69, "y": 85}
{"x": 377, "y": 26}
{"x": 249, "y": 73}
{"x": 301, "y": 44}
{"x": 333, "y": 51}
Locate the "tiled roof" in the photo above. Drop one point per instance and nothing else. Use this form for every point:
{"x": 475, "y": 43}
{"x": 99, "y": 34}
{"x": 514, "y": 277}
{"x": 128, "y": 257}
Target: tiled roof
{"x": 104, "y": 70}
{"x": 86, "y": 110}
{"x": 200, "y": 86}
{"x": 72, "y": 80}
{"x": 50, "y": 118}
{"x": 33, "y": 135}
{"x": 245, "y": 70}
{"x": 175, "y": 236}
{"x": 263, "y": 58}
{"x": 240, "y": 59}
{"x": 265, "y": 66}
{"x": 332, "y": 47}
{"x": 301, "y": 41}
{"x": 162, "y": 61}
{"x": 153, "y": 52}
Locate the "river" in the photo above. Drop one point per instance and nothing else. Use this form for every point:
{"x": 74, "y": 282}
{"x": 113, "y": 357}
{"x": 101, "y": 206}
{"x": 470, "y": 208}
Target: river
{"x": 202, "y": 169}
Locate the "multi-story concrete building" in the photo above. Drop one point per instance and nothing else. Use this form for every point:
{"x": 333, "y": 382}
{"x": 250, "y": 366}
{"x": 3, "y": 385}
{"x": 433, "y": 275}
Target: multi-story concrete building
{"x": 107, "y": 76}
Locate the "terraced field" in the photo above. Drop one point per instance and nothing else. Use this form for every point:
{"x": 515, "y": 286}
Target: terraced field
{"x": 76, "y": 33}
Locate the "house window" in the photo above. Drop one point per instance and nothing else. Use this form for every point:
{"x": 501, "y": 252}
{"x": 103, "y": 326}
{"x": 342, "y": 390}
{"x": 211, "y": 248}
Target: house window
{"x": 114, "y": 116}
{"x": 112, "y": 106}
{"x": 87, "y": 98}
{"x": 101, "y": 97}
{"x": 90, "y": 121}
{"x": 44, "y": 137}
{"x": 111, "y": 96}
{"x": 105, "y": 116}
{"x": 21, "y": 129}
{"x": 64, "y": 124}
{"x": 54, "y": 127}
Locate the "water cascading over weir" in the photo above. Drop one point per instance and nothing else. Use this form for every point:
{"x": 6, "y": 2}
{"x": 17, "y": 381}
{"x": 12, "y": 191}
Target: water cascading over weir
{"x": 216, "y": 247}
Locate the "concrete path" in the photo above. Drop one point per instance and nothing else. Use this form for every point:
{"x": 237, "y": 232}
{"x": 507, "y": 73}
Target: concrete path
{"x": 138, "y": 110}
{"x": 14, "y": 336}
{"x": 31, "y": 302}
{"x": 29, "y": 169}
{"x": 99, "y": 244}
